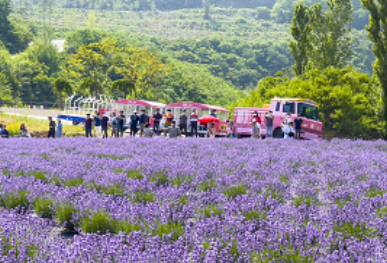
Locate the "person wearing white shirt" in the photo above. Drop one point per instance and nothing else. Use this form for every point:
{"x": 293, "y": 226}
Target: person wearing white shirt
{"x": 289, "y": 132}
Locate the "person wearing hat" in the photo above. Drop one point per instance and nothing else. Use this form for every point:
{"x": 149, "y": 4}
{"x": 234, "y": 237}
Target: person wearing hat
{"x": 134, "y": 119}
{"x": 213, "y": 113}
{"x": 256, "y": 132}
{"x": 105, "y": 125}
{"x": 183, "y": 122}
{"x": 168, "y": 121}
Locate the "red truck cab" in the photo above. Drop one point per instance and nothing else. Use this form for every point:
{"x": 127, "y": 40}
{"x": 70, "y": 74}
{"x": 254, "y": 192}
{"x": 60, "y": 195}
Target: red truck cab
{"x": 308, "y": 109}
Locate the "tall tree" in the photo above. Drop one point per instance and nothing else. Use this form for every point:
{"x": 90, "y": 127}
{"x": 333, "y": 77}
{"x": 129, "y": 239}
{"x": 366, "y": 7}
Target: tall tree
{"x": 124, "y": 86}
{"x": 142, "y": 68}
{"x": 62, "y": 86}
{"x": 207, "y": 9}
{"x": 377, "y": 33}
{"x": 300, "y": 30}
{"x": 330, "y": 33}
{"x": 93, "y": 63}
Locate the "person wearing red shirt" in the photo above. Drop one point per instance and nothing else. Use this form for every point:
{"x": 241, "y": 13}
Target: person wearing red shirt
{"x": 194, "y": 123}
{"x": 256, "y": 117}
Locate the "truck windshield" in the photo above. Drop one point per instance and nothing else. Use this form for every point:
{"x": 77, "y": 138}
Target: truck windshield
{"x": 289, "y": 107}
{"x": 308, "y": 111}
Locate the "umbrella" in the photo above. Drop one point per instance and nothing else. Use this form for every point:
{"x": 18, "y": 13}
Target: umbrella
{"x": 208, "y": 119}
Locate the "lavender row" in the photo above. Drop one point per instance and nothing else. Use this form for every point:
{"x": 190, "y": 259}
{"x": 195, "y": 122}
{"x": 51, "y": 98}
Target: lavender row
{"x": 228, "y": 200}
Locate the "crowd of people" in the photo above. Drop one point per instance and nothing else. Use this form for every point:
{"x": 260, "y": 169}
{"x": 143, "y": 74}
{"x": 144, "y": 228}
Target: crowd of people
{"x": 116, "y": 123}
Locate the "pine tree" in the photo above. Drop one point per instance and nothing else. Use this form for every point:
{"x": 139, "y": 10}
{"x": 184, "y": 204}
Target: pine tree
{"x": 300, "y": 30}
{"x": 377, "y": 34}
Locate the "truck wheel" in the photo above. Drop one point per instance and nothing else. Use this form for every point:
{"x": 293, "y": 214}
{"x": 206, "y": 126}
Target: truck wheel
{"x": 277, "y": 133}
{"x": 75, "y": 122}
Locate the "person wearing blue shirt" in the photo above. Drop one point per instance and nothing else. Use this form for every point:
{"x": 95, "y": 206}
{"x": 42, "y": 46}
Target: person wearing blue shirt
{"x": 59, "y": 129}
{"x": 157, "y": 117}
{"x": 213, "y": 113}
{"x": 4, "y": 132}
{"x": 97, "y": 125}
{"x": 143, "y": 122}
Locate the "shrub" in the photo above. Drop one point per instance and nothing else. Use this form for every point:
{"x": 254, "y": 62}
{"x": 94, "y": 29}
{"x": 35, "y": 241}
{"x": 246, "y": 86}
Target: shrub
{"x": 134, "y": 174}
{"x": 74, "y": 182}
{"x": 235, "y": 191}
{"x": 43, "y": 208}
{"x": 64, "y": 215}
{"x": 128, "y": 227}
{"x": 98, "y": 223}
{"x": 212, "y": 211}
{"x": 16, "y": 200}
{"x": 13, "y": 128}
{"x": 161, "y": 179}
{"x": 170, "y": 227}
{"x": 144, "y": 197}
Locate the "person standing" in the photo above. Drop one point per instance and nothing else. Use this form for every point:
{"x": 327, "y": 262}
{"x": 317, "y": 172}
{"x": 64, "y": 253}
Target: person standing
{"x": 233, "y": 132}
{"x": 168, "y": 121}
{"x": 256, "y": 133}
{"x": 213, "y": 113}
{"x": 113, "y": 123}
{"x": 194, "y": 123}
{"x": 97, "y": 125}
{"x": 59, "y": 129}
{"x": 269, "y": 124}
{"x": 105, "y": 125}
{"x": 256, "y": 117}
{"x": 134, "y": 119}
{"x": 143, "y": 122}
{"x": 120, "y": 124}
{"x": 157, "y": 117}
{"x": 4, "y": 132}
{"x": 88, "y": 126}
{"x": 51, "y": 130}
{"x": 298, "y": 121}
{"x": 174, "y": 131}
{"x": 183, "y": 123}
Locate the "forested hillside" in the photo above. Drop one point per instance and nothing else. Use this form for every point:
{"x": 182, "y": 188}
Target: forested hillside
{"x": 216, "y": 51}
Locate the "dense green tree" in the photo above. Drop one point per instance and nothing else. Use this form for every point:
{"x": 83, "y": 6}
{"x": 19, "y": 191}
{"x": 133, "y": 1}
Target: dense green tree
{"x": 330, "y": 34}
{"x": 62, "y": 87}
{"x": 300, "y": 29}
{"x": 14, "y": 36}
{"x": 124, "y": 86}
{"x": 263, "y": 12}
{"x": 92, "y": 64}
{"x": 377, "y": 33}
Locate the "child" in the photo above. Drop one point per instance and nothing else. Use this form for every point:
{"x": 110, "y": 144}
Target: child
{"x": 289, "y": 132}
{"x": 233, "y": 130}
{"x": 211, "y": 130}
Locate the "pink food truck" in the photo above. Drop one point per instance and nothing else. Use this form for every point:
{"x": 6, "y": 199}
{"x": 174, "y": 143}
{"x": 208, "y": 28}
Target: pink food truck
{"x": 129, "y": 106}
{"x": 201, "y": 110}
{"x": 308, "y": 109}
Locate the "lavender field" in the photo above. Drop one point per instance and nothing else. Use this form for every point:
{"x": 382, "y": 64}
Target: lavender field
{"x": 163, "y": 200}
